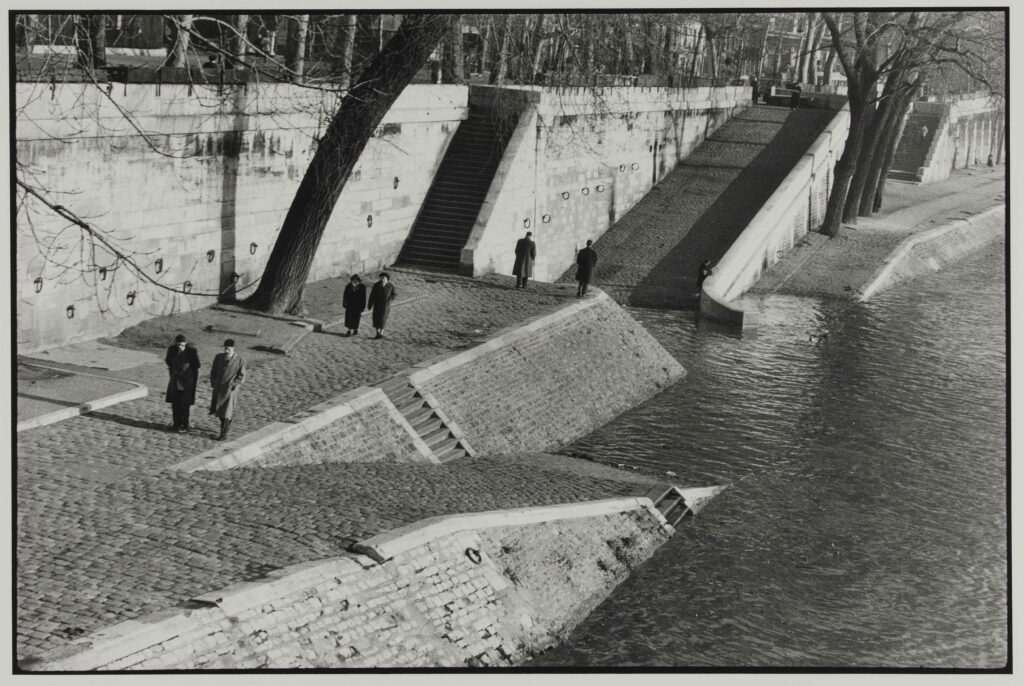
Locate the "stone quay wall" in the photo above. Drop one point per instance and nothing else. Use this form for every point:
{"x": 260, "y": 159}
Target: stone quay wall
{"x": 929, "y": 251}
{"x": 485, "y": 589}
{"x": 796, "y": 207}
{"x": 549, "y": 381}
{"x": 532, "y": 387}
{"x": 970, "y": 129}
{"x": 193, "y": 183}
{"x": 579, "y": 159}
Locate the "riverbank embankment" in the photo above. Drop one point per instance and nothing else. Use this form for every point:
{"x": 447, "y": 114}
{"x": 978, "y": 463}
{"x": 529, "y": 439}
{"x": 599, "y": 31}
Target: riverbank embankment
{"x": 842, "y": 266}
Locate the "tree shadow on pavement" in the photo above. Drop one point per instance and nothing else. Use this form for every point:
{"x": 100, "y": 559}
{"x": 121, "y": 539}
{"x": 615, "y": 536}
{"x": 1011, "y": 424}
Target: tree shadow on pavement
{"x": 672, "y": 283}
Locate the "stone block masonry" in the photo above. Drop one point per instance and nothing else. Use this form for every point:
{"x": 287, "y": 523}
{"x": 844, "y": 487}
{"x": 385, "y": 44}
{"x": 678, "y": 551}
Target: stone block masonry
{"x": 547, "y": 382}
{"x": 193, "y": 183}
{"x": 929, "y": 251}
{"x": 476, "y": 594}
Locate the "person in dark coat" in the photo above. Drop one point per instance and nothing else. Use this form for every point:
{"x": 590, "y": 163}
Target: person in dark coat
{"x": 354, "y": 302}
{"x": 379, "y": 302}
{"x": 585, "y": 261}
{"x": 526, "y": 253}
{"x": 226, "y": 376}
{"x": 794, "y": 97}
{"x": 755, "y": 94}
{"x": 703, "y": 272}
{"x": 183, "y": 366}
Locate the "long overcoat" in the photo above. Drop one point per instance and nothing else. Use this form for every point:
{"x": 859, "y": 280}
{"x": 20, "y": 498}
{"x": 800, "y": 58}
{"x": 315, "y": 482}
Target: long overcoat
{"x": 526, "y": 253}
{"x": 586, "y": 259}
{"x": 225, "y": 375}
{"x": 354, "y": 302}
{"x": 380, "y": 299}
{"x": 183, "y": 366}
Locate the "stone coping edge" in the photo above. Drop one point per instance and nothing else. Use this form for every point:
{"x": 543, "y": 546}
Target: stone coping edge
{"x": 137, "y": 391}
{"x": 881, "y": 277}
{"x": 435, "y": 366}
{"x": 133, "y": 635}
{"x": 385, "y": 546}
{"x": 253, "y": 445}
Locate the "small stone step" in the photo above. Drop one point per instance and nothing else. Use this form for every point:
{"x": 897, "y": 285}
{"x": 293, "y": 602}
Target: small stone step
{"x": 442, "y": 447}
{"x": 415, "y": 413}
{"x": 451, "y": 454}
{"x": 437, "y": 436}
{"x": 427, "y": 425}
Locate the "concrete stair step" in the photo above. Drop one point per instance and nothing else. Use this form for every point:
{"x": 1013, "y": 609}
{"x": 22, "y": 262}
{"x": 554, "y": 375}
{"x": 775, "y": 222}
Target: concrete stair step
{"x": 428, "y": 425}
{"x": 442, "y": 446}
{"x": 451, "y": 454}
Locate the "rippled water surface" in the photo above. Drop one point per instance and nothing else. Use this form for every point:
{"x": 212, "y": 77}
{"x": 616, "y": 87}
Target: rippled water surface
{"x": 866, "y": 521}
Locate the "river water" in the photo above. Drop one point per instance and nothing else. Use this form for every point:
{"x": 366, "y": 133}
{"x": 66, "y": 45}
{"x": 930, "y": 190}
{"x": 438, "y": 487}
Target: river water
{"x": 865, "y": 524}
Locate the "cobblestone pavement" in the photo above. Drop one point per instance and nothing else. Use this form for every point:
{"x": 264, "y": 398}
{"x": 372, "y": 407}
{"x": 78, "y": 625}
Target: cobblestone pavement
{"x": 105, "y": 534}
{"x": 649, "y": 258}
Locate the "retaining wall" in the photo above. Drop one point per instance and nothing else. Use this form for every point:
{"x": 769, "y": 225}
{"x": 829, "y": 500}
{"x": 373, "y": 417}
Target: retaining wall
{"x": 194, "y": 169}
{"x": 796, "y": 207}
{"x": 472, "y": 590}
{"x": 970, "y": 129}
{"x": 361, "y": 425}
{"x": 579, "y": 159}
{"x": 549, "y": 381}
{"x": 533, "y": 387}
{"x": 929, "y": 251}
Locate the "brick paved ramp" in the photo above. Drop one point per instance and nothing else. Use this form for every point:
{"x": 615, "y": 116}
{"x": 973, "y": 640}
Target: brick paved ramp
{"x": 649, "y": 258}
{"x": 105, "y": 534}
{"x": 107, "y": 552}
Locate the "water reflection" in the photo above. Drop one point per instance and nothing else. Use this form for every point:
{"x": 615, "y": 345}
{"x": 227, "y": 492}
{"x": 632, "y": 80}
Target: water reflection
{"x": 866, "y": 523}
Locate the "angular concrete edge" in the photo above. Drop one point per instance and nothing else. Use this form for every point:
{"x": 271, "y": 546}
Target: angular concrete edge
{"x": 385, "y": 546}
{"x": 137, "y": 391}
{"x": 130, "y": 637}
{"x": 453, "y": 428}
{"x": 253, "y": 445}
{"x": 435, "y": 366}
{"x": 885, "y": 277}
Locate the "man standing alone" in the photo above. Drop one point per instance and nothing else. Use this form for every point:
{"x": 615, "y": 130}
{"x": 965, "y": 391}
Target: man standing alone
{"x": 526, "y": 253}
{"x": 227, "y": 375}
{"x": 183, "y": 366}
{"x": 586, "y": 259}
{"x": 381, "y": 295}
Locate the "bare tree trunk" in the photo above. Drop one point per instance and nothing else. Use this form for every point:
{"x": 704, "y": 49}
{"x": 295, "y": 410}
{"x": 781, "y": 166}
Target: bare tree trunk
{"x": 805, "y": 48}
{"x": 588, "y": 45}
{"x": 538, "y": 46}
{"x": 764, "y": 50}
{"x": 179, "y": 51}
{"x": 239, "y": 42}
{"x": 875, "y": 126}
{"x": 91, "y": 37}
{"x": 630, "y": 52}
{"x": 877, "y": 176}
{"x": 712, "y": 51}
{"x": 830, "y": 63}
{"x": 453, "y": 70}
{"x": 346, "y": 49}
{"x": 297, "y": 45}
{"x": 812, "y": 59}
{"x": 500, "y": 69}
{"x": 361, "y": 111}
{"x": 485, "y": 45}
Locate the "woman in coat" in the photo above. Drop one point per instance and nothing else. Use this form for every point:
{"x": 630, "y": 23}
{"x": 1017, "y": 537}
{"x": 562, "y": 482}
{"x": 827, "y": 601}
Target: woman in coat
{"x": 354, "y": 302}
{"x": 381, "y": 295}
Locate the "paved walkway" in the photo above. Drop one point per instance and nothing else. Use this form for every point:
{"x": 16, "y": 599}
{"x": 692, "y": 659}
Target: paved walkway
{"x": 838, "y": 267}
{"x": 649, "y": 258}
{"x": 105, "y": 534}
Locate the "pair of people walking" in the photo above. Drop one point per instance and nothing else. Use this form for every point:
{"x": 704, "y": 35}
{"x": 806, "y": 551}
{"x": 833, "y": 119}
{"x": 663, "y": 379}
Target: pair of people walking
{"x": 526, "y": 254}
{"x": 226, "y": 376}
{"x": 355, "y": 301}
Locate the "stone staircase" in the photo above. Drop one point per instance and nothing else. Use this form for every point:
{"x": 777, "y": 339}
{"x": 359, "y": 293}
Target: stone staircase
{"x": 425, "y": 420}
{"x": 912, "y": 152}
{"x": 460, "y": 186}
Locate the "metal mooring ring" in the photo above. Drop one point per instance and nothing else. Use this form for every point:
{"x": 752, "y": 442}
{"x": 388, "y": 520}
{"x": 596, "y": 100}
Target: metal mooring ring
{"x": 474, "y": 555}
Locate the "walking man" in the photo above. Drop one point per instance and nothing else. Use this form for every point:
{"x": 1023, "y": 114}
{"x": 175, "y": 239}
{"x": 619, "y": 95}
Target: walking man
{"x": 354, "y": 302}
{"x": 226, "y": 376}
{"x": 586, "y": 259}
{"x": 526, "y": 253}
{"x": 183, "y": 366}
{"x": 381, "y": 295}
{"x": 703, "y": 272}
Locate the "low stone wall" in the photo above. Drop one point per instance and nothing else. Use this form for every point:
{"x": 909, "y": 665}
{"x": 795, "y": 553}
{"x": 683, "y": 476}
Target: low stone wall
{"x": 796, "y": 207}
{"x": 547, "y": 382}
{"x": 488, "y": 589}
{"x": 579, "y": 159}
{"x": 929, "y": 251}
{"x": 358, "y": 426}
{"x": 970, "y": 129}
